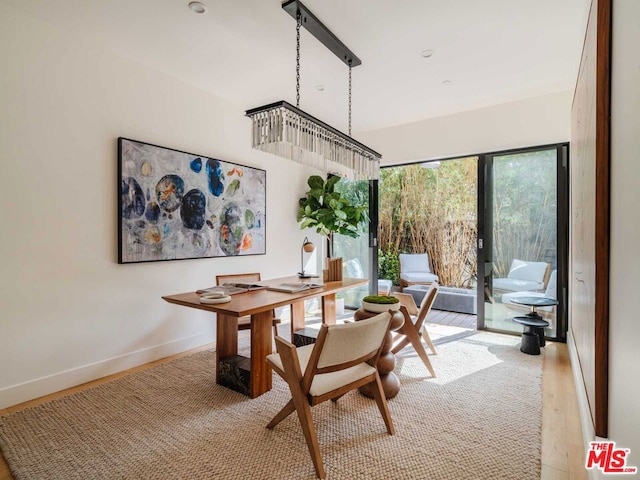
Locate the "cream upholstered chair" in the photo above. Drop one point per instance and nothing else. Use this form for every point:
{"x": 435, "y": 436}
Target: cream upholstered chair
{"x": 524, "y": 275}
{"x": 415, "y": 270}
{"x": 342, "y": 359}
{"x": 414, "y": 327}
{"x": 244, "y": 323}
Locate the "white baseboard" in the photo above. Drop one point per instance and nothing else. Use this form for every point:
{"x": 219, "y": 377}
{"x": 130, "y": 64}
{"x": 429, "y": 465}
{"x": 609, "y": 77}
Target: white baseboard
{"x": 15, "y": 394}
{"x": 588, "y": 431}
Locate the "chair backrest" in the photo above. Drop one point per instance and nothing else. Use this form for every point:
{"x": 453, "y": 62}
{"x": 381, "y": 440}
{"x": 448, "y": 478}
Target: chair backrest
{"x": 531, "y": 271}
{"x": 342, "y": 346}
{"x": 552, "y": 290}
{"x": 353, "y": 268}
{"x": 427, "y": 303}
{"x": 414, "y": 263}
{"x": 237, "y": 277}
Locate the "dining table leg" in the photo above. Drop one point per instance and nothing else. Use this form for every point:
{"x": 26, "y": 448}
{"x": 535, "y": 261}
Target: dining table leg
{"x": 226, "y": 341}
{"x": 261, "y": 346}
{"x": 329, "y": 309}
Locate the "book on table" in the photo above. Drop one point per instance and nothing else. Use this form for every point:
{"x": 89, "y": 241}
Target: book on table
{"x": 232, "y": 288}
{"x": 293, "y": 287}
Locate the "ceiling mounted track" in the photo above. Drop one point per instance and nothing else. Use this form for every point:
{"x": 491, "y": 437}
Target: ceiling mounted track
{"x": 321, "y": 32}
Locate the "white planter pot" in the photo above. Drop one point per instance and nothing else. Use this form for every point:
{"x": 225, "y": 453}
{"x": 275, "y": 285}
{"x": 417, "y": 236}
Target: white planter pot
{"x": 339, "y": 306}
{"x": 380, "y": 307}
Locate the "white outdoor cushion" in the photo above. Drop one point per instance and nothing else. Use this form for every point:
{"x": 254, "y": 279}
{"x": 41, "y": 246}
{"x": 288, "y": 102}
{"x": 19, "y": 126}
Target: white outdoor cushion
{"x": 414, "y": 263}
{"x": 513, "y": 285}
{"x": 419, "y": 277}
{"x": 528, "y": 271}
{"x": 325, "y": 382}
{"x": 354, "y": 268}
{"x": 550, "y": 292}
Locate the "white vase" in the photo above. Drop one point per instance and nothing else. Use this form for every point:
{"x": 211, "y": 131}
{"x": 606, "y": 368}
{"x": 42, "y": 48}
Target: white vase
{"x": 339, "y": 306}
{"x": 380, "y": 307}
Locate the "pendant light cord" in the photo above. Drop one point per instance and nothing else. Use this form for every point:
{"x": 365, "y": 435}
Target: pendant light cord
{"x": 349, "y": 97}
{"x": 298, "y": 25}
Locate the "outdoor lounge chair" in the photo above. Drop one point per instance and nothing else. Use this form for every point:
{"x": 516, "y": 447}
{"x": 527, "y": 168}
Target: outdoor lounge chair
{"x": 550, "y": 292}
{"x": 415, "y": 270}
{"x": 524, "y": 276}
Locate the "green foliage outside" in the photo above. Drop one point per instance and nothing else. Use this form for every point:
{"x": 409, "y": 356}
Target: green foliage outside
{"x": 524, "y": 209}
{"x": 430, "y": 211}
{"x": 330, "y": 211}
{"x": 434, "y": 211}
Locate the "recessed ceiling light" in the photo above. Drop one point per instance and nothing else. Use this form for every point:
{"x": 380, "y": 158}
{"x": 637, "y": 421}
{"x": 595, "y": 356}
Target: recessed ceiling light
{"x": 320, "y": 88}
{"x": 198, "y": 7}
{"x": 426, "y": 53}
{"x": 446, "y": 82}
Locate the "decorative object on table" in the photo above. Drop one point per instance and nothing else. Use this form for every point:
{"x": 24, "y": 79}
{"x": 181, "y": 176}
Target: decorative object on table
{"x": 343, "y": 356}
{"x": 175, "y": 205}
{"x": 380, "y": 303}
{"x": 293, "y": 287}
{"x": 414, "y": 329}
{"x": 214, "y": 298}
{"x": 334, "y": 269}
{"x": 387, "y": 360}
{"x": 308, "y": 247}
{"x": 289, "y": 132}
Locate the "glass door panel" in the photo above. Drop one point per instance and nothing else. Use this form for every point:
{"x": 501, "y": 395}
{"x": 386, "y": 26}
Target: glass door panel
{"x": 356, "y": 253}
{"x": 520, "y": 246}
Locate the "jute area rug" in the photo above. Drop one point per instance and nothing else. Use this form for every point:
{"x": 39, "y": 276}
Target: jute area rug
{"x": 479, "y": 419}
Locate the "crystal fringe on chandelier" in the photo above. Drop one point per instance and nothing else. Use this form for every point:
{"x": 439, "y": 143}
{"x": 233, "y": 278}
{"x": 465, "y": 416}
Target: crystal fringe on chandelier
{"x": 284, "y": 130}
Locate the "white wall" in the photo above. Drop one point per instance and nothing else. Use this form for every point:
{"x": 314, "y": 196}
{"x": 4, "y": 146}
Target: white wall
{"x": 624, "y": 356}
{"x": 69, "y": 312}
{"x": 536, "y": 121}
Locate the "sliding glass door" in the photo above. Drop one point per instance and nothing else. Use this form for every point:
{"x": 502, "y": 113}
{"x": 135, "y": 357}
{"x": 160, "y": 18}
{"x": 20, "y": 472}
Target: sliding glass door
{"x": 358, "y": 254}
{"x": 522, "y": 241}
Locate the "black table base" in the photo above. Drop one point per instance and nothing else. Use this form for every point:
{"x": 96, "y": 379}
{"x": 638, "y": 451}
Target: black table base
{"x": 533, "y": 333}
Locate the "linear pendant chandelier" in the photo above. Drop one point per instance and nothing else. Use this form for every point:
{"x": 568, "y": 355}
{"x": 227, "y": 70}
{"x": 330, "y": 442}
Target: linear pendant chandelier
{"x": 287, "y": 131}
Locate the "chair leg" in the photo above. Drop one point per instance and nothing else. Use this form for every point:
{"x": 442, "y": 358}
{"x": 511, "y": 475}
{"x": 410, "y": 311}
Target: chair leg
{"x": 381, "y": 401}
{"x": 287, "y": 410}
{"x": 335, "y": 399}
{"x": 427, "y": 339}
{"x": 306, "y": 422}
{"x": 413, "y": 337}
{"x": 403, "y": 343}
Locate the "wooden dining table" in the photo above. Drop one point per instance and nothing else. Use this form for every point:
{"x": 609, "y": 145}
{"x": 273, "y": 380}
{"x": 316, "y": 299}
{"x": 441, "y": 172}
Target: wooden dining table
{"x": 252, "y": 376}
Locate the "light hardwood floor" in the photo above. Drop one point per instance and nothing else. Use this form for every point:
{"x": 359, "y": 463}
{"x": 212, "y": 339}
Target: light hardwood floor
{"x": 562, "y": 450}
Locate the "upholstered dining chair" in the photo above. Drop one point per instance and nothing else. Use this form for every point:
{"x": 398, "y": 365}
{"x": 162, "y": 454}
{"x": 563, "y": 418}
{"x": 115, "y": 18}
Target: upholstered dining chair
{"x": 342, "y": 359}
{"x": 413, "y": 328}
{"x": 244, "y": 323}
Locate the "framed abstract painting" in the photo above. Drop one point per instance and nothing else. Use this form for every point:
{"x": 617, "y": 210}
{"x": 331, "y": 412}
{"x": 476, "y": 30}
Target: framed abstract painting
{"x": 174, "y": 205}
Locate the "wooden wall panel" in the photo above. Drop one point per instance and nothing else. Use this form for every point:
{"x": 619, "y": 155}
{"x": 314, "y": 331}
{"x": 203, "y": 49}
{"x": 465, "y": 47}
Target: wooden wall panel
{"x": 589, "y": 282}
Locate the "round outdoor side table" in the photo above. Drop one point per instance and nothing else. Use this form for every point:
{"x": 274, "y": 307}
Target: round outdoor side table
{"x": 534, "y": 324}
{"x": 387, "y": 360}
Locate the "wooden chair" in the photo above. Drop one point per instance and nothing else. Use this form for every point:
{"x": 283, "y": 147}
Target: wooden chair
{"x": 342, "y": 359}
{"x": 413, "y": 328}
{"x": 244, "y": 323}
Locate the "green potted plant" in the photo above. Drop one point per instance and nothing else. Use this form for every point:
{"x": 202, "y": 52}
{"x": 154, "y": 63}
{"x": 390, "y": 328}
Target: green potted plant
{"x": 329, "y": 212}
{"x": 380, "y": 303}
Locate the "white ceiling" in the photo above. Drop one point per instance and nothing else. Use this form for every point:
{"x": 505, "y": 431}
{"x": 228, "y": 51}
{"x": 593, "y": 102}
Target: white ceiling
{"x": 491, "y": 51}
